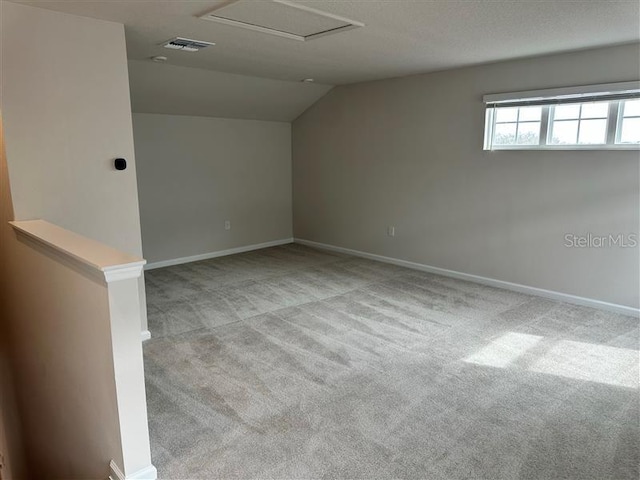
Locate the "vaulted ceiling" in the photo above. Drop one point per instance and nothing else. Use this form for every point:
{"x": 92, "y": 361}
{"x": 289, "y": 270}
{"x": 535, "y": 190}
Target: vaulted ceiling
{"x": 400, "y": 37}
{"x": 169, "y": 89}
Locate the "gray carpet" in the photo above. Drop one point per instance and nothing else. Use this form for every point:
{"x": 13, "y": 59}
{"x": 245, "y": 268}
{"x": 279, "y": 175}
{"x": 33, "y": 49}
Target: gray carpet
{"x": 291, "y": 362}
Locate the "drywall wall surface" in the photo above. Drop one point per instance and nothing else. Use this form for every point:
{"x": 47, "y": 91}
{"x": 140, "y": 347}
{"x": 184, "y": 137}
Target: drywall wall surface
{"x": 12, "y": 461}
{"x": 129, "y": 378}
{"x": 207, "y": 93}
{"x": 63, "y": 364}
{"x": 58, "y": 346}
{"x": 407, "y": 152}
{"x": 67, "y": 116}
{"x": 195, "y": 173}
{"x": 71, "y": 367}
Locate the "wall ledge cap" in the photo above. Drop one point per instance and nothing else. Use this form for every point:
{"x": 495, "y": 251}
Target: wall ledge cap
{"x": 97, "y": 259}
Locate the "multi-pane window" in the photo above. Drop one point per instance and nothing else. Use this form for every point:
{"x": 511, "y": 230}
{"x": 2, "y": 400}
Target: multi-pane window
{"x": 517, "y": 126}
{"x": 629, "y": 129}
{"x": 566, "y": 118}
{"x": 579, "y": 124}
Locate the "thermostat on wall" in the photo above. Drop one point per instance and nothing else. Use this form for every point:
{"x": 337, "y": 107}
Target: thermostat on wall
{"x": 120, "y": 163}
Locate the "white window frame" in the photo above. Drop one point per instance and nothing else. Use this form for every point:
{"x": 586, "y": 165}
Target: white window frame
{"x": 608, "y": 122}
{"x": 619, "y": 115}
{"x": 614, "y": 93}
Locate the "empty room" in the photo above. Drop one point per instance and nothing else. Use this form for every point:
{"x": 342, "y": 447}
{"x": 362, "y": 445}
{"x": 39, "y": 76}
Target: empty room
{"x": 274, "y": 239}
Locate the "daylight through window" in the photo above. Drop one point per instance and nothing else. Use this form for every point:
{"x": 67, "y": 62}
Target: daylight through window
{"x": 596, "y": 116}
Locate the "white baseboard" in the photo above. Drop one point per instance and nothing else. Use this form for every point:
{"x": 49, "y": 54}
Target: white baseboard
{"x": 219, "y": 253}
{"x": 516, "y": 287}
{"x": 145, "y": 335}
{"x": 147, "y": 473}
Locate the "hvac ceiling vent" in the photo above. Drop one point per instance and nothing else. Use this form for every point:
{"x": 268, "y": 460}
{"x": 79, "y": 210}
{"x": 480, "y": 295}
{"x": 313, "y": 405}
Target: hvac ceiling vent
{"x": 186, "y": 45}
{"x": 280, "y": 17}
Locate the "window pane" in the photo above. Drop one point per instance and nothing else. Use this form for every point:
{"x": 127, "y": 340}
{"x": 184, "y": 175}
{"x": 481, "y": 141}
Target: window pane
{"x": 529, "y": 133}
{"x": 530, "y": 114}
{"x": 632, "y": 108}
{"x": 630, "y": 130}
{"x": 567, "y": 111}
{"x": 565, "y": 133}
{"x": 595, "y": 110}
{"x": 505, "y": 134}
{"x": 506, "y": 114}
{"x": 593, "y": 131}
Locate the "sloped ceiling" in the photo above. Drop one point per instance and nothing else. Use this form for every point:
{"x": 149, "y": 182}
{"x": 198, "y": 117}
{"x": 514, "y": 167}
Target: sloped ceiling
{"x": 169, "y": 89}
{"x": 401, "y": 37}
{"x": 250, "y": 74}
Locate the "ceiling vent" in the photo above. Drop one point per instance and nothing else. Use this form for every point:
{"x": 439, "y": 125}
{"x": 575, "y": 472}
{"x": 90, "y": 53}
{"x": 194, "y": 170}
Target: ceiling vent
{"x": 186, "y": 45}
{"x": 280, "y": 17}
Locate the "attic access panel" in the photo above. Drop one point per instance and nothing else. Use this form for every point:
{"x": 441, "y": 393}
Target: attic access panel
{"x": 281, "y": 18}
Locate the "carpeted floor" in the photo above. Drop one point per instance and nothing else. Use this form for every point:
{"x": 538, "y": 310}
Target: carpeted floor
{"x": 294, "y": 363}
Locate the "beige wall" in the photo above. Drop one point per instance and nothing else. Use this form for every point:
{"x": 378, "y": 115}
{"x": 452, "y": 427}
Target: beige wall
{"x": 65, "y": 102}
{"x": 65, "y": 106}
{"x": 408, "y": 152}
{"x": 11, "y": 445}
{"x": 67, "y": 114}
{"x": 63, "y": 365}
{"x": 57, "y": 351}
{"x": 12, "y": 464}
{"x": 195, "y": 172}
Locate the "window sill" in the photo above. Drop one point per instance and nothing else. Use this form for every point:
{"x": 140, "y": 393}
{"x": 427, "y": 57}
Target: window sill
{"x": 574, "y": 148}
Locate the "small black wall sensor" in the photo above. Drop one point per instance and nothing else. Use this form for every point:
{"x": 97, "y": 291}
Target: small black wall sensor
{"x": 120, "y": 163}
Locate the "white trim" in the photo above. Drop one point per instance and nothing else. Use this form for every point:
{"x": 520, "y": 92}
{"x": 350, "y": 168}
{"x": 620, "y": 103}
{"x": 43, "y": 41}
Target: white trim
{"x": 613, "y": 123}
{"x": 123, "y": 272}
{"x": 92, "y": 257}
{"x": 114, "y": 471}
{"x": 581, "y": 91}
{"x": 147, "y": 473}
{"x": 516, "y": 287}
{"x": 320, "y": 13}
{"x": 145, "y": 335}
{"x": 489, "y": 125}
{"x": 256, "y": 28}
{"x": 219, "y": 253}
{"x": 351, "y": 24}
{"x": 577, "y": 147}
{"x": 546, "y": 130}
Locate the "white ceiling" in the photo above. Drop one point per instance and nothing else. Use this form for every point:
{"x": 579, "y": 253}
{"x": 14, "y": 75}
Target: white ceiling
{"x": 401, "y": 37}
{"x": 170, "y": 89}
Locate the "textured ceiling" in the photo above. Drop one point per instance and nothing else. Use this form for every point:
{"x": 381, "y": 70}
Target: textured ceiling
{"x": 169, "y": 89}
{"x": 401, "y": 37}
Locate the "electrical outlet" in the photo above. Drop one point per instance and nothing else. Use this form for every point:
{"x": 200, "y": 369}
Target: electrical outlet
{"x": 227, "y": 224}
{"x": 391, "y": 231}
